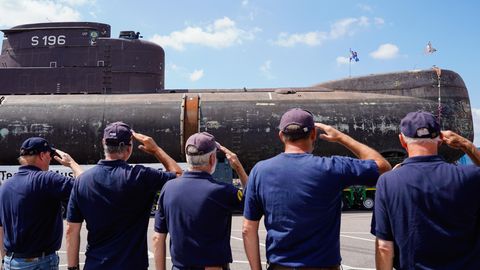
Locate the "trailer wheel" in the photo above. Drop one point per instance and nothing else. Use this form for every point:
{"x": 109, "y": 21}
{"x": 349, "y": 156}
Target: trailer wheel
{"x": 368, "y": 203}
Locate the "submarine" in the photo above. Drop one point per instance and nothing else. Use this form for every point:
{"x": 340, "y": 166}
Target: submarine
{"x": 66, "y": 81}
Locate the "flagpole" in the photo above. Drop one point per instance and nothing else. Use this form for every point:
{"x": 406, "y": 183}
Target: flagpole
{"x": 350, "y": 68}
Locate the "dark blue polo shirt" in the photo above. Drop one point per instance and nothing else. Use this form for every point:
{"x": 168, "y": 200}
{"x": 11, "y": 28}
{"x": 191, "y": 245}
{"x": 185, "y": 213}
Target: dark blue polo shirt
{"x": 115, "y": 200}
{"x": 430, "y": 209}
{"x": 300, "y": 197}
{"x": 30, "y": 210}
{"x": 197, "y": 212}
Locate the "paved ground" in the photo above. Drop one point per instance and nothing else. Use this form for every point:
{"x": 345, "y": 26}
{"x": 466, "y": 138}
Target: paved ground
{"x": 357, "y": 245}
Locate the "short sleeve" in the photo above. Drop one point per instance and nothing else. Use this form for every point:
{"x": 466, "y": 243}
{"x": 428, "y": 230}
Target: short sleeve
{"x": 380, "y": 226}
{"x": 59, "y": 186}
{"x": 357, "y": 171}
{"x": 73, "y": 211}
{"x": 234, "y": 197}
{"x": 154, "y": 178}
{"x": 160, "y": 217}
{"x": 253, "y": 209}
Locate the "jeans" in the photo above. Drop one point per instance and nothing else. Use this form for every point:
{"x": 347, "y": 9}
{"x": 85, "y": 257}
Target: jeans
{"x": 49, "y": 262}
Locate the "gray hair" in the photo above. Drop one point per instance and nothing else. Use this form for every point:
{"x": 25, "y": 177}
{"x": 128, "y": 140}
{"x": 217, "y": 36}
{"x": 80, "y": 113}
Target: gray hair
{"x": 409, "y": 140}
{"x": 114, "y": 149}
{"x": 194, "y": 161}
{"x": 27, "y": 160}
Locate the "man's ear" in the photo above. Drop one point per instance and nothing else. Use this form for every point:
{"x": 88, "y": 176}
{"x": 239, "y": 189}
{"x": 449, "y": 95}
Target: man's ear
{"x": 280, "y": 135}
{"x": 441, "y": 139}
{"x": 313, "y": 134}
{"x": 212, "y": 159}
{"x": 402, "y": 141}
{"x": 43, "y": 155}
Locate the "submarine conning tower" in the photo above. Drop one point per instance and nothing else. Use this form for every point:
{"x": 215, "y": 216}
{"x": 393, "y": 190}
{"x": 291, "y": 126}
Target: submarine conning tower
{"x": 78, "y": 58}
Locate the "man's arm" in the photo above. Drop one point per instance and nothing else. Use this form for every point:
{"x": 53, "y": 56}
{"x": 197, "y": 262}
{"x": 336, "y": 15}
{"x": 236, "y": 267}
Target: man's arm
{"x": 456, "y": 141}
{"x": 2, "y": 248}
{"x": 159, "y": 250}
{"x": 251, "y": 243}
{"x": 72, "y": 236}
{"x": 359, "y": 149}
{"x": 236, "y": 165}
{"x": 149, "y": 146}
{"x": 67, "y": 161}
{"x": 384, "y": 254}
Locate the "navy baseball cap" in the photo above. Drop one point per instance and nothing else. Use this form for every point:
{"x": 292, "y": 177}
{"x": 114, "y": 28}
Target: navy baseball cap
{"x": 117, "y": 133}
{"x": 34, "y": 146}
{"x": 298, "y": 117}
{"x": 203, "y": 143}
{"x": 420, "y": 125}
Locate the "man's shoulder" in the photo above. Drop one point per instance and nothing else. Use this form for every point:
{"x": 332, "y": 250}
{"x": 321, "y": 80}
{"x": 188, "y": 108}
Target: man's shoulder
{"x": 49, "y": 176}
{"x": 470, "y": 169}
{"x": 275, "y": 160}
{"x": 91, "y": 171}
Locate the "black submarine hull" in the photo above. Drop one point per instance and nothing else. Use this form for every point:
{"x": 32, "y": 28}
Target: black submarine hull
{"x": 367, "y": 108}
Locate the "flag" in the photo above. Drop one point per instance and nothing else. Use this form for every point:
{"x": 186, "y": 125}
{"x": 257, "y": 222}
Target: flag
{"x": 429, "y": 49}
{"x": 354, "y": 56}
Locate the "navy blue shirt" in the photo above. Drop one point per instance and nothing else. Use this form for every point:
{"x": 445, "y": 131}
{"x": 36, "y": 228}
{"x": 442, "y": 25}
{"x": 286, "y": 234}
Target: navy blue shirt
{"x": 115, "y": 200}
{"x": 300, "y": 196}
{"x": 197, "y": 212}
{"x": 30, "y": 210}
{"x": 431, "y": 211}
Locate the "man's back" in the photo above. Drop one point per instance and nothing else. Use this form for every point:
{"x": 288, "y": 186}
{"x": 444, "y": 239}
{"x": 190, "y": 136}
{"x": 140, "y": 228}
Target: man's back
{"x": 196, "y": 210}
{"x": 31, "y": 210}
{"x": 300, "y": 196}
{"x": 430, "y": 209}
{"x": 115, "y": 199}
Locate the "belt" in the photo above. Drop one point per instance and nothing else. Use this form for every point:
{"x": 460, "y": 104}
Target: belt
{"x": 28, "y": 255}
{"x": 281, "y": 267}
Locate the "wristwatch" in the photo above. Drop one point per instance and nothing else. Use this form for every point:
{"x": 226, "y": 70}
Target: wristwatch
{"x": 73, "y": 267}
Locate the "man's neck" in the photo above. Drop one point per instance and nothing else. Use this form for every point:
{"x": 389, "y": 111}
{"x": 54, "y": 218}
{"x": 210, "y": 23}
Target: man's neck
{"x": 297, "y": 148}
{"x": 114, "y": 157}
{"x": 43, "y": 168}
{"x": 422, "y": 150}
{"x": 206, "y": 169}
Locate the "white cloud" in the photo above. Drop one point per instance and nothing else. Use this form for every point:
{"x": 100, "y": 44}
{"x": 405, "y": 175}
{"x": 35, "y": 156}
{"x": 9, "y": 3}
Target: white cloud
{"x": 379, "y": 21}
{"x": 266, "y": 69}
{"x": 244, "y": 2}
{"x": 341, "y": 28}
{"x": 385, "y": 51}
{"x": 77, "y": 2}
{"x": 196, "y": 75}
{"x": 221, "y": 34}
{"x": 342, "y": 60}
{"x": 476, "y": 126}
{"x": 310, "y": 39}
{"x": 185, "y": 73}
{"x": 16, "y": 12}
{"x": 174, "y": 67}
{"x": 364, "y": 7}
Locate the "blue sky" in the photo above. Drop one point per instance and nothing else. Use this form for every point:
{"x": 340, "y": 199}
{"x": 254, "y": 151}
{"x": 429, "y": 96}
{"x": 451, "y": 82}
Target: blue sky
{"x": 246, "y": 43}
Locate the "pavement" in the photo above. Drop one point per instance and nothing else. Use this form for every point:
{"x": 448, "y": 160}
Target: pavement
{"x": 357, "y": 244}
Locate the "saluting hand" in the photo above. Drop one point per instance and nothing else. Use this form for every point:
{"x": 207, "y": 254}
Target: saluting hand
{"x": 63, "y": 158}
{"x": 454, "y": 140}
{"x": 148, "y": 145}
{"x": 67, "y": 161}
{"x": 232, "y": 158}
{"x": 331, "y": 134}
{"x": 235, "y": 164}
